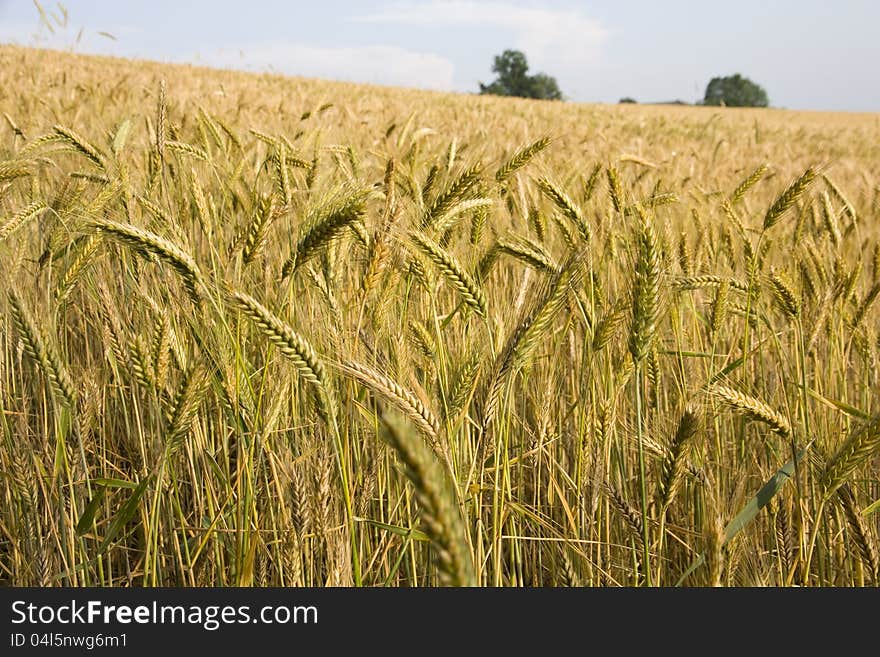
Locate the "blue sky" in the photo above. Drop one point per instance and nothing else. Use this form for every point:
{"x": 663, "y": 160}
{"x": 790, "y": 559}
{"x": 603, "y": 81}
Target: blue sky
{"x": 808, "y": 54}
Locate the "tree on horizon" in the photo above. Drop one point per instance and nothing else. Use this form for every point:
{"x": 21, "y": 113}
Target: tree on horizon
{"x": 513, "y": 79}
{"x": 735, "y": 91}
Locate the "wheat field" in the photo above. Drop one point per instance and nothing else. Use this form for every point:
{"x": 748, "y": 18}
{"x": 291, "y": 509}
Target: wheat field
{"x": 268, "y": 331}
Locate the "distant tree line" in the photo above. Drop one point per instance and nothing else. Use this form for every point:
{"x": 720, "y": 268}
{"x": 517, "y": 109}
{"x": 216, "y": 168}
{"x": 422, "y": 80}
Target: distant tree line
{"x": 512, "y": 69}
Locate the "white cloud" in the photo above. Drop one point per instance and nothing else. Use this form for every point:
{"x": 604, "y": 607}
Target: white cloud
{"x": 380, "y": 64}
{"x": 559, "y": 37}
{"x": 388, "y": 65}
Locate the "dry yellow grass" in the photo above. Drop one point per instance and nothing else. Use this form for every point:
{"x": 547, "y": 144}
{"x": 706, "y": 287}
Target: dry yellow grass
{"x": 218, "y": 284}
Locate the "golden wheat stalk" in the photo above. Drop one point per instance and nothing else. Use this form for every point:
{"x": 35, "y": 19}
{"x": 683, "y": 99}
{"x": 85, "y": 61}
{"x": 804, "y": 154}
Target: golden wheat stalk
{"x": 379, "y": 251}
{"x": 704, "y": 281}
{"x": 161, "y": 120}
{"x": 454, "y": 272}
{"x": 784, "y": 294}
{"x": 606, "y": 328}
{"x": 865, "y": 306}
{"x": 526, "y": 251}
{"x": 527, "y": 335}
{"x": 187, "y": 149}
{"x": 148, "y": 244}
{"x": 160, "y": 349}
{"x": 752, "y": 408}
{"x": 447, "y": 221}
{"x": 422, "y": 339}
{"x": 79, "y": 144}
{"x": 440, "y": 509}
{"x": 463, "y": 388}
{"x": 13, "y": 126}
{"x": 627, "y": 511}
{"x": 645, "y": 292}
{"x": 548, "y": 309}
{"x": 719, "y": 309}
{"x": 20, "y": 218}
{"x": 190, "y": 394}
{"x": 108, "y": 194}
{"x": 207, "y": 122}
{"x": 407, "y": 402}
{"x": 520, "y": 159}
{"x": 788, "y": 198}
{"x": 675, "y": 461}
{"x": 566, "y": 206}
{"x": 232, "y": 134}
{"x": 749, "y": 182}
{"x": 848, "y": 207}
{"x": 457, "y": 191}
{"x": 829, "y": 214}
{"x": 13, "y": 170}
{"x": 42, "y": 352}
{"x": 84, "y": 256}
{"x": 331, "y": 223}
{"x": 292, "y": 345}
{"x": 591, "y": 183}
{"x": 651, "y": 203}
{"x": 615, "y": 190}
{"x": 862, "y": 537}
{"x": 255, "y": 237}
{"x": 282, "y": 175}
{"x": 861, "y": 444}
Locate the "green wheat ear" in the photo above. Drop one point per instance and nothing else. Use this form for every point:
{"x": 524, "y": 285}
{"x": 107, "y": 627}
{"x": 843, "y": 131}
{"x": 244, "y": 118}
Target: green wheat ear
{"x": 330, "y": 224}
{"x": 42, "y": 351}
{"x": 296, "y": 348}
{"x": 440, "y": 509}
{"x": 676, "y": 458}
{"x": 453, "y": 271}
{"x": 862, "y": 443}
{"x": 520, "y": 159}
{"x": 788, "y": 198}
{"x": 645, "y": 292}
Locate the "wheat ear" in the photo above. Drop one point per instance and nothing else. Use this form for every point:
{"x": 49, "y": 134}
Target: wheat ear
{"x": 645, "y": 292}
{"x": 189, "y": 395}
{"x": 418, "y": 412}
{"x": 329, "y": 226}
{"x": 704, "y": 281}
{"x": 146, "y": 244}
{"x": 79, "y": 144}
{"x": 566, "y": 205}
{"x": 379, "y": 251}
{"x": 20, "y": 218}
{"x": 42, "y": 352}
{"x": 520, "y": 159}
{"x": 440, "y": 511}
{"x": 743, "y": 188}
{"x": 788, "y": 198}
{"x": 457, "y": 191}
{"x": 752, "y": 408}
{"x": 862, "y": 442}
{"x": 675, "y": 461}
{"x": 296, "y": 348}
{"x": 453, "y": 271}
{"x": 862, "y": 537}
